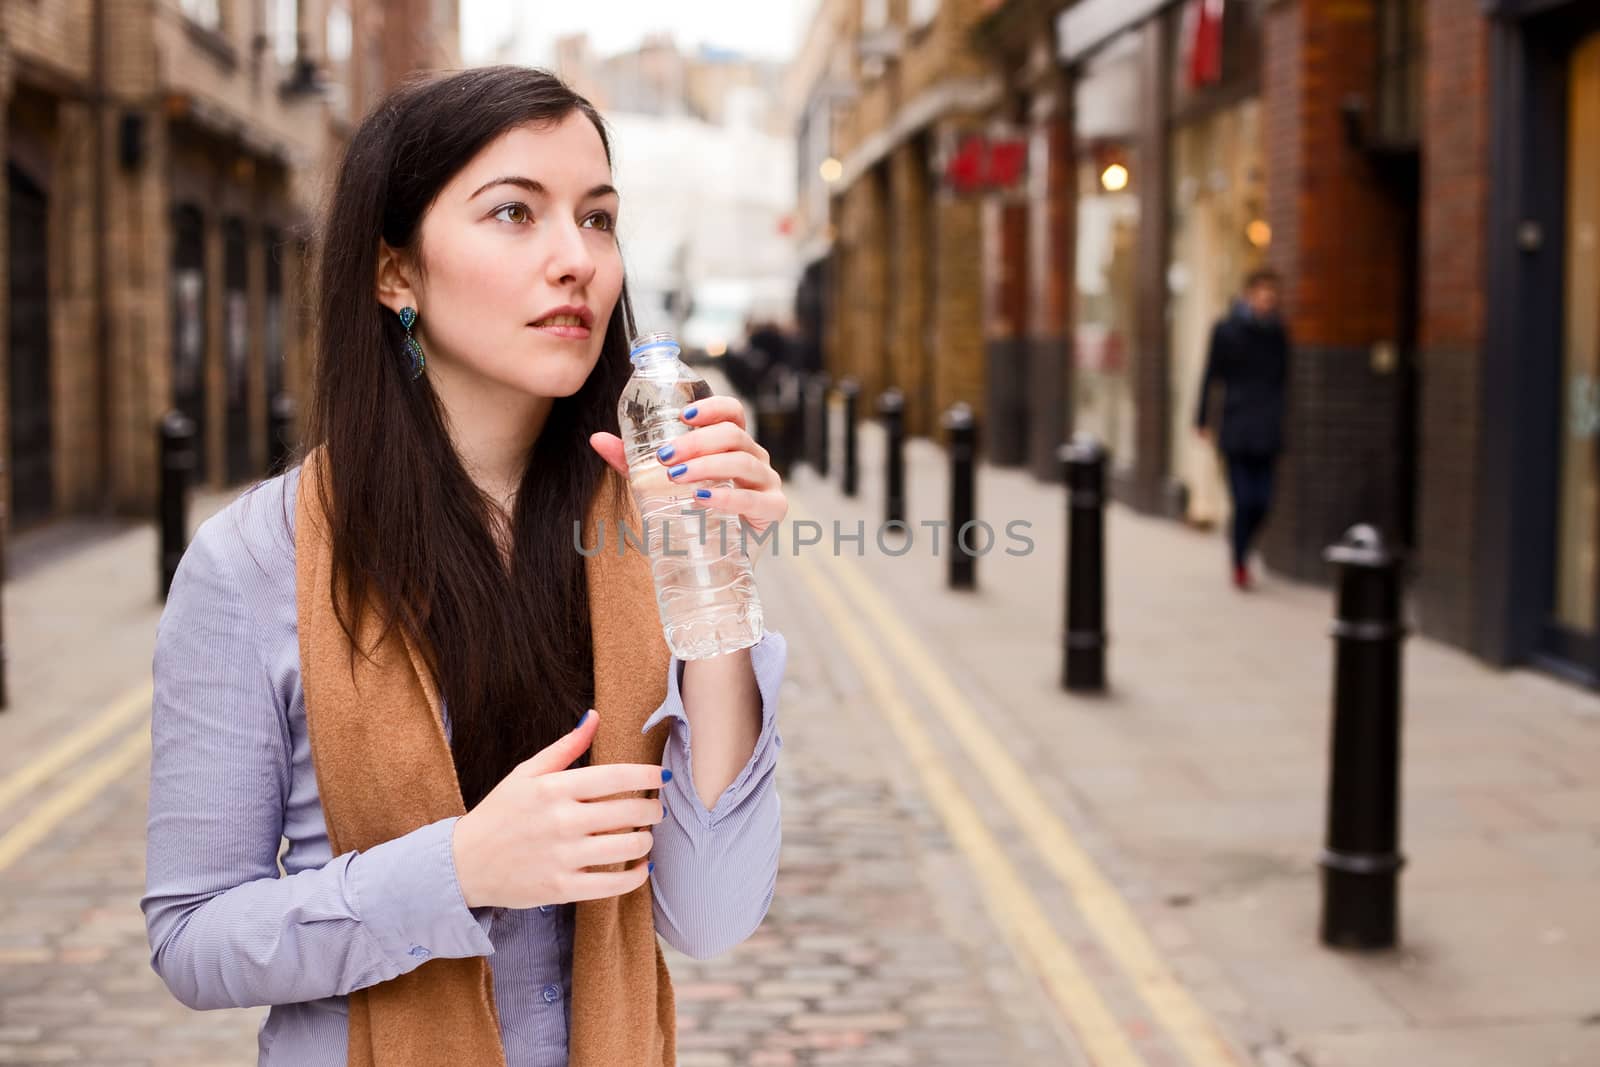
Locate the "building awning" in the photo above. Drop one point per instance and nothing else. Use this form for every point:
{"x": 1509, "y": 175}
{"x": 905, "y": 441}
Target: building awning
{"x": 1089, "y": 24}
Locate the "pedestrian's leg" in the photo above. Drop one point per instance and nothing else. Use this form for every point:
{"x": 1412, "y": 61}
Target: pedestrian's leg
{"x": 1239, "y": 489}
{"x": 1256, "y": 476}
{"x": 1245, "y": 520}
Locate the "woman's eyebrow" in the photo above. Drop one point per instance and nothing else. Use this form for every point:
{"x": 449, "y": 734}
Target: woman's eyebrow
{"x": 538, "y": 189}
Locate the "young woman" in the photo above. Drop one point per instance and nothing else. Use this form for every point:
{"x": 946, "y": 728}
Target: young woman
{"x": 401, "y": 627}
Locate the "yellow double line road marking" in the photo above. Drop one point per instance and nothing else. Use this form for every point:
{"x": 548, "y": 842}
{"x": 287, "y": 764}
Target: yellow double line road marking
{"x": 37, "y": 824}
{"x": 1102, "y": 908}
{"x": 1016, "y": 911}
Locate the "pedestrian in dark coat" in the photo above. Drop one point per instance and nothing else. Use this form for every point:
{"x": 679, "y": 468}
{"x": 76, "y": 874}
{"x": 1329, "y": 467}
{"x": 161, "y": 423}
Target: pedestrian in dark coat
{"x": 1249, "y": 359}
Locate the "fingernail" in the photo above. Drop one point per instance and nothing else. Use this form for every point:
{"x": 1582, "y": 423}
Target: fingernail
{"x": 664, "y": 453}
{"x": 663, "y": 811}
{"x": 703, "y": 494}
{"x": 679, "y": 469}
{"x": 666, "y": 775}
{"x": 583, "y": 719}
{"x": 650, "y": 868}
{"x": 690, "y": 413}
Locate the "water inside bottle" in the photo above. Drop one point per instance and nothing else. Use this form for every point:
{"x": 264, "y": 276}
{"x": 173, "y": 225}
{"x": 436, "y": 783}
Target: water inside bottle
{"x": 705, "y": 586}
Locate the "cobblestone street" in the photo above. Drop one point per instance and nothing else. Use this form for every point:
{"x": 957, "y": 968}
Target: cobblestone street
{"x": 75, "y": 979}
{"x": 977, "y": 869}
{"x": 871, "y": 953}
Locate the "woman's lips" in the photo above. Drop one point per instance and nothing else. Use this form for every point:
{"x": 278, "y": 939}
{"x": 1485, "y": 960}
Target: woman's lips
{"x": 572, "y": 333}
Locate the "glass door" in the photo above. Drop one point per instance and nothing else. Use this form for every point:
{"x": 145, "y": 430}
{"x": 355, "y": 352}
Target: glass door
{"x": 1577, "y": 592}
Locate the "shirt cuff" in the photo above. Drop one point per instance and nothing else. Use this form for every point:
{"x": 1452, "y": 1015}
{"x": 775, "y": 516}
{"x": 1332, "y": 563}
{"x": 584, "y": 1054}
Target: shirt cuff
{"x": 407, "y": 894}
{"x": 768, "y": 657}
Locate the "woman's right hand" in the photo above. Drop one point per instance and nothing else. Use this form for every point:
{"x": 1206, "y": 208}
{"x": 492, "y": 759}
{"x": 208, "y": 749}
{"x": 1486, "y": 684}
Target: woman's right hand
{"x": 527, "y": 843}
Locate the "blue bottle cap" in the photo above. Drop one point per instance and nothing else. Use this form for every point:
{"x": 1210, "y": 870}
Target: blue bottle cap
{"x": 651, "y": 342}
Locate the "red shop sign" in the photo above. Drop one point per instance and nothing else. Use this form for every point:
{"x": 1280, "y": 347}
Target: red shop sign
{"x": 983, "y": 164}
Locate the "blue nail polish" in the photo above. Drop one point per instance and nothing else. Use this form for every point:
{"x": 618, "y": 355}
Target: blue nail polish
{"x": 679, "y": 469}
{"x": 690, "y": 413}
{"x": 664, "y": 453}
{"x": 703, "y": 494}
{"x": 651, "y": 868}
{"x": 583, "y": 719}
{"x": 666, "y": 775}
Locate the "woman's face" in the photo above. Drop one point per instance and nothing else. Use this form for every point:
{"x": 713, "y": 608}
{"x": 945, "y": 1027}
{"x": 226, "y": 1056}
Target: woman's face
{"x": 520, "y": 264}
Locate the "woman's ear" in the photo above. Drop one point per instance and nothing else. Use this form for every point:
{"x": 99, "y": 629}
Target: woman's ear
{"x": 394, "y": 280}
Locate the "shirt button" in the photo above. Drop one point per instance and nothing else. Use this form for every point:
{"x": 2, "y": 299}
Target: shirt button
{"x": 419, "y": 952}
{"x": 552, "y": 993}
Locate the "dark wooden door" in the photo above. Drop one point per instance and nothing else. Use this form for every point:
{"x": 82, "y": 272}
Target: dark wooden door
{"x": 236, "y": 348}
{"x": 189, "y": 326}
{"x": 32, "y": 436}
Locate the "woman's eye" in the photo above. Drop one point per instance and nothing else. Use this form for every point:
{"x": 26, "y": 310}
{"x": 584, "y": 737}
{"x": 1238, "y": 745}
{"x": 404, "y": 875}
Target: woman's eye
{"x": 604, "y": 220}
{"x": 517, "y": 213}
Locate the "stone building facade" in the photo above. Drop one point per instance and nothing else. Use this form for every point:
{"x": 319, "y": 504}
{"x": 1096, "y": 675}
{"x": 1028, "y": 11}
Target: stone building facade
{"x": 903, "y": 93}
{"x": 165, "y": 162}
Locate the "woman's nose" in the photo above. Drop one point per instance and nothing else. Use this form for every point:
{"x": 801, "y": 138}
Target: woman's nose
{"x": 571, "y": 262}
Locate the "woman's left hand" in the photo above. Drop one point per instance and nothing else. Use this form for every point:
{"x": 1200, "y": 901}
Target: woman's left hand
{"x": 718, "y": 449}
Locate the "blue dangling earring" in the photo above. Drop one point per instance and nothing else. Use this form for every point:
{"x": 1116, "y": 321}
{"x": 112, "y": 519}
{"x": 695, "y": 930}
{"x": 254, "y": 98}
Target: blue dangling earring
{"x": 408, "y": 318}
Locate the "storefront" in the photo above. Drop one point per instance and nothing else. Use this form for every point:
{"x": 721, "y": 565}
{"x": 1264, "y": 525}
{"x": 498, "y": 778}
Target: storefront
{"x": 1217, "y": 209}
{"x": 232, "y": 343}
{"x": 1029, "y": 220}
{"x": 1542, "y": 361}
{"x": 1170, "y": 217}
{"x": 1112, "y": 172}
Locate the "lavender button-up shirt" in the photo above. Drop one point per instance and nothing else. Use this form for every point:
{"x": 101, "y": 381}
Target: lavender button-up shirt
{"x": 231, "y": 782}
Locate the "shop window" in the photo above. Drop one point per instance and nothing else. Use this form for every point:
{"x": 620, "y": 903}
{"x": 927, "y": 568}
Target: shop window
{"x": 284, "y": 18}
{"x": 204, "y": 13}
{"x": 340, "y": 34}
{"x": 1399, "y": 89}
{"x": 1219, "y": 234}
{"x": 1107, "y": 103}
{"x": 1577, "y": 588}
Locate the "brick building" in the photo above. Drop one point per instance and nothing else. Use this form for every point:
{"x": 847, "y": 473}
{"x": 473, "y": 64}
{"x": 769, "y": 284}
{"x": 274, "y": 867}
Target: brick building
{"x": 818, "y": 83}
{"x": 906, "y": 90}
{"x": 164, "y": 164}
{"x": 1422, "y": 172}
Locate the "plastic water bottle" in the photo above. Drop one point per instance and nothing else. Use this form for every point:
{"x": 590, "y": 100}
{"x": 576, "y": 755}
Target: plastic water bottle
{"x": 705, "y": 586}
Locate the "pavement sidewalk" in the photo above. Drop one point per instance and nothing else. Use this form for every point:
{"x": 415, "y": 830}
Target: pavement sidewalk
{"x": 1199, "y": 783}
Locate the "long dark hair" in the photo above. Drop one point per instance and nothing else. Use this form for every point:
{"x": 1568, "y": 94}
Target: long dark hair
{"x": 413, "y": 537}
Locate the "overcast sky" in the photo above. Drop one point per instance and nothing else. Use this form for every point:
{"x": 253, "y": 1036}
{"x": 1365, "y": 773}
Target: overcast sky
{"x": 769, "y": 28}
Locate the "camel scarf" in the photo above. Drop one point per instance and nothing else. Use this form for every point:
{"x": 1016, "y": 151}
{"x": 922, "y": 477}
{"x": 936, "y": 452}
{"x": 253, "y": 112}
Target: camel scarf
{"x": 384, "y": 768}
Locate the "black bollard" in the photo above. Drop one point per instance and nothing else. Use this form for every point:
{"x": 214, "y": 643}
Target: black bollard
{"x": 850, "y": 389}
{"x": 1361, "y": 861}
{"x": 962, "y": 434}
{"x": 175, "y": 436}
{"x": 791, "y": 396}
{"x": 774, "y": 423}
{"x": 1084, "y": 652}
{"x": 280, "y": 433}
{"x": 892, "y": 409}
{"x": 822, "y": 404}
{"x": 802, "y": 422}
{"x": 5, "y": 696}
